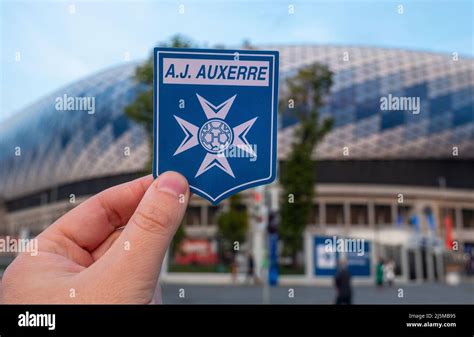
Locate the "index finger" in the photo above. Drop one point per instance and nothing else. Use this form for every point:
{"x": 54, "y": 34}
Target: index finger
{"x": 90, "y": 223}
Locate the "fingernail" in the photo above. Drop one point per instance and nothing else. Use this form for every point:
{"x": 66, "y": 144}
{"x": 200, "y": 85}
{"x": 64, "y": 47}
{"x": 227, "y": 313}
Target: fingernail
{"x": 172, "y": 182}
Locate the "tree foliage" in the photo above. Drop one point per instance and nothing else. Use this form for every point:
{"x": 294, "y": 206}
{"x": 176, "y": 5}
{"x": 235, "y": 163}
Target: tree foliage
{"x": 304, "y": 95}
{"x": 141, "y": 110}
{"x": 233, "y": 223}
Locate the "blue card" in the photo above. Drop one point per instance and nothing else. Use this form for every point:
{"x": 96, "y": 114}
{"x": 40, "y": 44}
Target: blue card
{"x": 215, "y": 118}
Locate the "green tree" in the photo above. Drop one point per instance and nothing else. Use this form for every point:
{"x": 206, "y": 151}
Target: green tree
{"x": 141, "y": 110}
{"x": 303, "y": 98}
{"x": 246, "y": 44}
{"x": 233, "y": 224}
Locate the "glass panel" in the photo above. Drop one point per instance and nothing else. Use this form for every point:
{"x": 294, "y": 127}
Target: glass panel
{"x": 468, "y": 218}
{"x": 192, "y": 216}
{"x": 334, "y": 214}
{"x": 314, "y": 218}
{"x": 383, "y": 214}
{"x": 359, "y": 215}
{"x": 212, "y": 214}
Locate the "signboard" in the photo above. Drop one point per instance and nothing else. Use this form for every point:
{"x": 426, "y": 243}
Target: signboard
{"x": 329, "y": 249}
{"x": 197, "y": 252}
{"x": 215, "y": 118}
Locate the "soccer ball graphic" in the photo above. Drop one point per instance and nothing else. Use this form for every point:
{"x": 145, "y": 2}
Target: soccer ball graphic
{"x": 215, "y": 135}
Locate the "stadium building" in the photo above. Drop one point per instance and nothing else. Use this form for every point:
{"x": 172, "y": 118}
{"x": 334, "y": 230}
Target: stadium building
{"x": 399, "y": 176}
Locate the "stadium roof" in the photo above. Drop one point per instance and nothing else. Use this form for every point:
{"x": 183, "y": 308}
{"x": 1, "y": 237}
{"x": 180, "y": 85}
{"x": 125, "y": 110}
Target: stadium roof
{"x": 61, "y": 147}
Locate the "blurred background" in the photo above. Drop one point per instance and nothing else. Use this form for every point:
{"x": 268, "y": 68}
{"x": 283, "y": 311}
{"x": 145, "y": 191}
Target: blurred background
{"x": 400, "y": 180}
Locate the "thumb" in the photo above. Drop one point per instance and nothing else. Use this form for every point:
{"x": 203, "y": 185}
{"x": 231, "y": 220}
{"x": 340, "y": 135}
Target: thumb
{"x": 141, "y": 247}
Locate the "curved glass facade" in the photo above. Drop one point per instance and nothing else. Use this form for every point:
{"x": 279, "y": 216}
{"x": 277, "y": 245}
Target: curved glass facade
{"x": 59, "y": 147}
{"x": 41, "y": 147}
{"x": 444, "y": 84}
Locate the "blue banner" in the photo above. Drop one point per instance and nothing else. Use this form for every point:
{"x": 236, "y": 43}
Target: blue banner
{"x": 329, "y": 249}
{"x": 273, "y": 267}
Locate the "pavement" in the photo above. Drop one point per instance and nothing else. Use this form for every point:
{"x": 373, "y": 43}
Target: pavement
{"x": 426, "y": 293}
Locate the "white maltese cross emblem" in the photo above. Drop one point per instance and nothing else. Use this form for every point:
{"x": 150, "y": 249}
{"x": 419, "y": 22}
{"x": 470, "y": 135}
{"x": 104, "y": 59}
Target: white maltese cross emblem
{"x": 215, "y": 136}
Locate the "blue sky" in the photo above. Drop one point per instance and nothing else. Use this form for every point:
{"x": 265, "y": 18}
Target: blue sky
{"x": 58, "y": 47}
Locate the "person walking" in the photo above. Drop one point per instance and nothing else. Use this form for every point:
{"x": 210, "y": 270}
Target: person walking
{"x": 379, "y": 274}
{"x": 389, "y": 272}
{"x": 342, "y": 282}
{"x": 234, "y": 269}
{"x": 250, "y": 269}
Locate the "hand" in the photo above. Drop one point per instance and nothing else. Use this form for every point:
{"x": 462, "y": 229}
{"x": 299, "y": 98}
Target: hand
{"x": 88, "y": 256}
